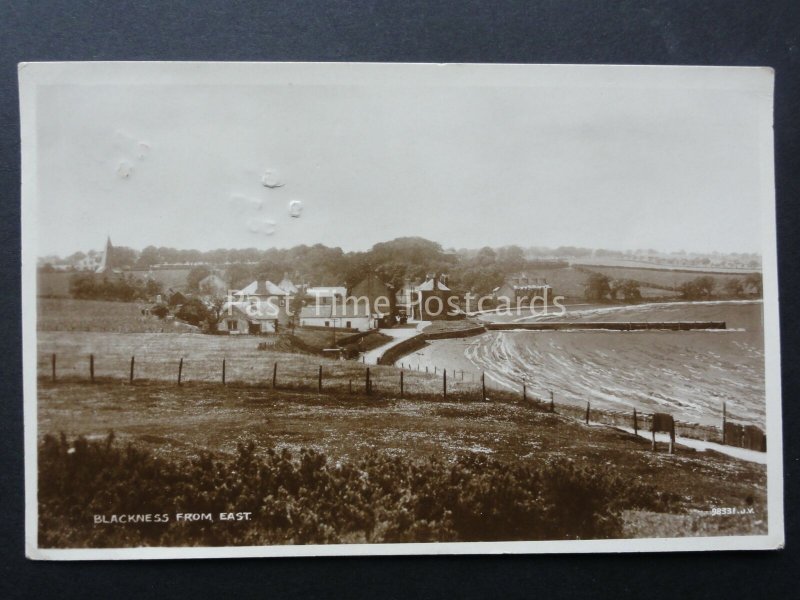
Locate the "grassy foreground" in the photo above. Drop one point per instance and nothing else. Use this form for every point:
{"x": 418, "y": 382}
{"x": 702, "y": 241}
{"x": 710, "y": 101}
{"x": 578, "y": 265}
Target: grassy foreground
{"x": 340, "y": 467}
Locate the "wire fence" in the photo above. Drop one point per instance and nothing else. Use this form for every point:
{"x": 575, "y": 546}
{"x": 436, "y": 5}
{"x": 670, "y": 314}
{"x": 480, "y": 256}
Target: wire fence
{"x": 407, "y": 380}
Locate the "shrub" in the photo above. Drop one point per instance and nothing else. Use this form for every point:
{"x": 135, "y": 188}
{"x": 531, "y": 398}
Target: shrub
{"x": 160, "y": 310}
{"x": 309, "y": 500}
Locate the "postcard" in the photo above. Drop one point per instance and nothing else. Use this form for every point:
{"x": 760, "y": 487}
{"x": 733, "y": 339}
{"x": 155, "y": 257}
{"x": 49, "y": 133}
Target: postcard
{"x": 303, "y": 309}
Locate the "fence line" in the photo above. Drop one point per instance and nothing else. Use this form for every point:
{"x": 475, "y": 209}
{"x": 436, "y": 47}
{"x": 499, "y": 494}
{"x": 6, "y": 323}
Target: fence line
{"x": 456, "y": 385}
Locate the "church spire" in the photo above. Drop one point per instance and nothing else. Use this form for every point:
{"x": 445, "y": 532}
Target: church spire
{"x": 106, "y": 263}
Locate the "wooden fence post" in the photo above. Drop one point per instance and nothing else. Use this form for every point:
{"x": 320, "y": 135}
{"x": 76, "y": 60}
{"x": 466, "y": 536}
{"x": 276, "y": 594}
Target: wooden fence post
{"x": 275, "y": 376}
{"x": 180, "y": 370}
{"x": 350, "y": 386}
{"x": 552, "y": 404}
{"x": 401, "y": 384}
{"x": 367, "y": 383}
{"x": 635, "y": 423}
{"x": 319, "y": 380}
{"x": 444, "y": 383}
{"x": 724, "y": 422}
{"x": 133, "y": 362}
{"x": 53, "y": 365}
{"x": 483, "y": 386}
{"x": 223, "y": 371}
{"x": 588, "y": 408}
{"x": 524, "y": 393}
{"x": 91, "y": 368}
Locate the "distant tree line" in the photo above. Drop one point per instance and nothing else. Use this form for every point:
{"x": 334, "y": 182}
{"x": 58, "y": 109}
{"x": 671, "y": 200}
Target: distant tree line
{"x": 409, "y": 258}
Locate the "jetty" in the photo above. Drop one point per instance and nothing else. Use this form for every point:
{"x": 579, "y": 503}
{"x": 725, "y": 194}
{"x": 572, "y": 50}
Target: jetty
{"x": 607, "y": 325}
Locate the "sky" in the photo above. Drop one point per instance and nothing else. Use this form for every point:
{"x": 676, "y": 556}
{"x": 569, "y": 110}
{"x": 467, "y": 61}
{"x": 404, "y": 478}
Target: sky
{"x": 468, "y": 165}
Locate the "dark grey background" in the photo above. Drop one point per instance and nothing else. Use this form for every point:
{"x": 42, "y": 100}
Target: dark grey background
{"x": 718, "y": 32}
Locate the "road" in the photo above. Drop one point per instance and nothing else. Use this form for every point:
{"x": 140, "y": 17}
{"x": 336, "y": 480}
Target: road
{"x": 398, "y": 334}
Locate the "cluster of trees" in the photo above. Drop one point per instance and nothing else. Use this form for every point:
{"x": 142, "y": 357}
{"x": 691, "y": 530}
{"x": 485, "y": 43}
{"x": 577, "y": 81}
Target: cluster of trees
{"x": 408, "y": 258}
{"x": 309, "y": 499}
{"x": 698, "y": 288}
{"x": 88, "y": 286}
{"x": 601, "y": 288}
{"x": 706, "y": 286}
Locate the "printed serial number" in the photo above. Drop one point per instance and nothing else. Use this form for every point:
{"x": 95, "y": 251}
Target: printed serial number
{"x": 732, "y": 510}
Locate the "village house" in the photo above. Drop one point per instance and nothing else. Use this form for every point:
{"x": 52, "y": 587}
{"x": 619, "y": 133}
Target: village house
{"x": 249, "y": 318}
{"x": 370, "y": 305}
{"x": 349, "y": 315}
{"x": 435, "y": 301}
{"x": 327, "y": 295}
{"x": 379, "y": 297}
{"x": 521, "y": 288}
{"x": 258, "y": 308}
{"x": 90, "y": 262}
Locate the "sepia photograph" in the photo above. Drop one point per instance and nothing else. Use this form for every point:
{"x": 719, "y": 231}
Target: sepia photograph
{"x": 285, "y": 309}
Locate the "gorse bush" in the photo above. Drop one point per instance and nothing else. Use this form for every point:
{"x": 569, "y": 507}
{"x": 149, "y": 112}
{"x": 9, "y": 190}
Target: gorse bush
{"x": 308, "y": 499}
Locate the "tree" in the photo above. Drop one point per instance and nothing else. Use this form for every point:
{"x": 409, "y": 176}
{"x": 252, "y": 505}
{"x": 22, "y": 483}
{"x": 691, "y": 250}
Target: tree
{"x": 598, "y": 287}
{"x": 486, "y": 257}
{"x": 153, "y": 288}
{"x": 239, "y": 276}
{"x": 214, "y": 313}
{"x": 698, "y": 288}
{"x": 511, "y": 258}
{"x": 296, "y": 304}
{"x": 149, "y": 256}
{"x": 754, "y": 283}
{"x": 193, "y": 311}
{"x": 734, "y": 287}
{"x": 630, "y": 290}
{"x": 124, "y": 256}
{"x": 196, "y": 275}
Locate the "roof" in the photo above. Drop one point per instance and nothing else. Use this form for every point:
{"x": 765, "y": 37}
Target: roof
{"x": 327, "y": 292}
{"x": 213, "y": 280}
{"x": 261, "y": 288}
{"x": 213, "y": 276}
{"x": 287, "y": 286}
{"x": 107, "y": 259}
{"x": 428, "y": 286}
{"x": 257, "y": 311}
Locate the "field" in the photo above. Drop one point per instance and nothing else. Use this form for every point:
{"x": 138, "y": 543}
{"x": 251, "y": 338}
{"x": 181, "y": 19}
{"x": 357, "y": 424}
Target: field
{"x": 509, "y": 453}
{"x": 101, "y": 315}
{"x": 570, "y": 281}
{"x": 184, "y": 423}
{"x": 661, "y": 280}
